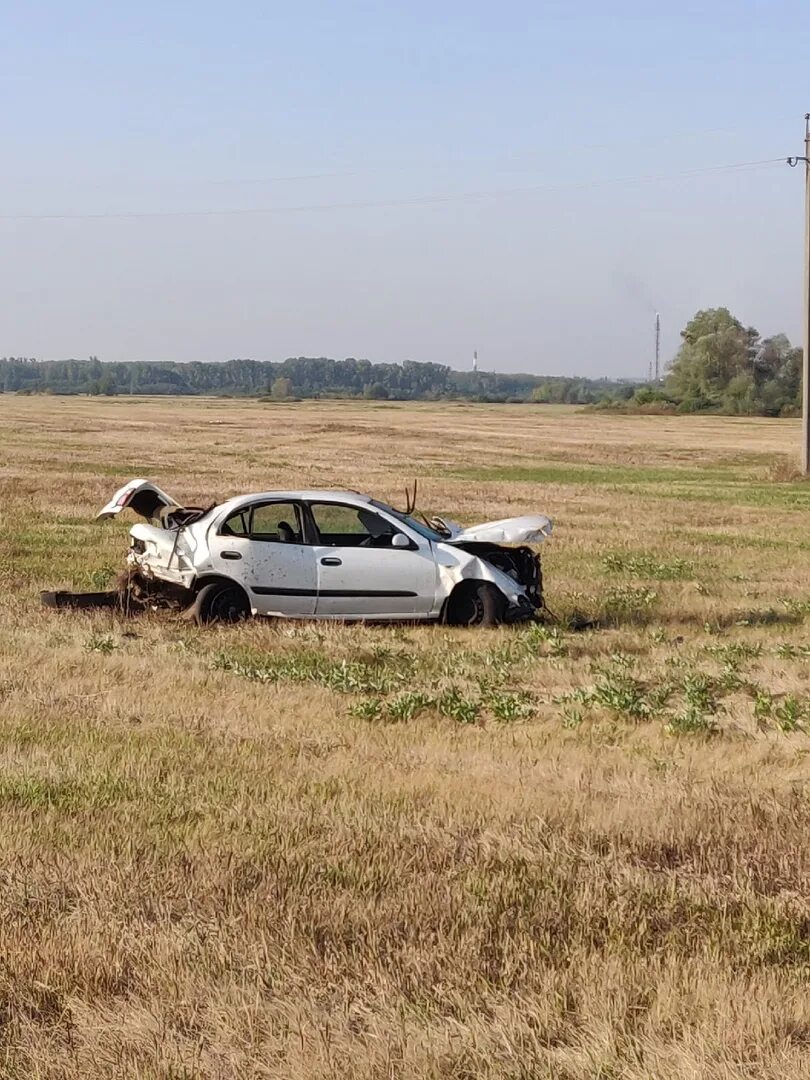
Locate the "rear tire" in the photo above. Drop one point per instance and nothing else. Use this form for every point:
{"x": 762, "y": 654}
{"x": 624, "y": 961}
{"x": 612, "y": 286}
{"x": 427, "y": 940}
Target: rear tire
{"x": 220, "y": 602}
{"x": 475, "y": 603}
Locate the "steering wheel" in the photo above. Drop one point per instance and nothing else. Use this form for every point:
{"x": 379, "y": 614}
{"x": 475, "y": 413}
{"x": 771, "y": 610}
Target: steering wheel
{"x": 383, "y": 540}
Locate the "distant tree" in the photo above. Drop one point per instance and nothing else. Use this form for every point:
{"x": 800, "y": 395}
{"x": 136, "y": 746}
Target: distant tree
{"x": 375, "y": 391}
{"x": 723, "y": 366}
{"x": 716, "y": 349}
{"x": 95, "y": 368}
{"x": 647, "y": 395}
{"x": 106, "y": 384}
{"x": 779, "y": 375}
{"x": 281, "y": 388}
{"x": 740, "y": 397}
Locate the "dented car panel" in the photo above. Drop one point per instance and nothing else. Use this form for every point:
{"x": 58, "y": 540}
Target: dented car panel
{"x": 469, "y": 567}
{"x": 529, "y": 529}
{"x": 331, "y": 555}
{"x": 171, "y": 552}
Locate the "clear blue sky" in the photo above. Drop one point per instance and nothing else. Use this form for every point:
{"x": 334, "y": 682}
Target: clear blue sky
{"x": 350, "y": 123}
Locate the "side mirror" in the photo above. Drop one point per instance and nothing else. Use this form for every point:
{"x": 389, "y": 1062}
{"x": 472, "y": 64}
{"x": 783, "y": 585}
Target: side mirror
{"x": 400, "y": 540}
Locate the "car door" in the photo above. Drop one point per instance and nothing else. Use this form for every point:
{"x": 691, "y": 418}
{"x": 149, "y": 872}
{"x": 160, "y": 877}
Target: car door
{"x": 360, "y": 573}
{"x": 261, "y": 546}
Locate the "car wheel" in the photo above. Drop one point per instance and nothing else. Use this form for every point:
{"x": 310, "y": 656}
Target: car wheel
{"x": 220, "y": 602}
{"x": 476, "y": 603}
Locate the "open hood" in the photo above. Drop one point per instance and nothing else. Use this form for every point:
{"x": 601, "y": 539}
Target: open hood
{"x": 138, "y": 495}
{"x": 530, "y": 529}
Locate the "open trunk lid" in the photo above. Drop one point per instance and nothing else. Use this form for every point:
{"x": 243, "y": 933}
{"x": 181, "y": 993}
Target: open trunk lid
{"x": 145, "y": 498}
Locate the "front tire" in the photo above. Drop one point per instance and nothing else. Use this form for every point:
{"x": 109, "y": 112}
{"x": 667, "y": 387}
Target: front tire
{"x": 475, "y": 603}
{"x": 220, "y": 602}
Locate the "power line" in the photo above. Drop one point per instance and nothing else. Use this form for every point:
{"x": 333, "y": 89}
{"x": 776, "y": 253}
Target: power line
{"x": 417, "y": 200}
{"x": 516, "y": 161}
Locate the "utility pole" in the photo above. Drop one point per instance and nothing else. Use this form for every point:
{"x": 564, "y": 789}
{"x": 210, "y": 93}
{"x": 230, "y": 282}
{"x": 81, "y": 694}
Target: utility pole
{"x": 806, "y": 326}
{"x": 793, "y": 162}
{"x": 657, "y": 347}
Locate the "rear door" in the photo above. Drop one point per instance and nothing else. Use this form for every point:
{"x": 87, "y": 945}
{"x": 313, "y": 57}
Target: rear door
{"x": 261, "y": 546}
{"x": 361, "y": 575}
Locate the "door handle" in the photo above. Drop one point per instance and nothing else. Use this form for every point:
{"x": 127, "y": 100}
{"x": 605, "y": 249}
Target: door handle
{"x": 331, "y": 561}
{"x": 231, "y": 555}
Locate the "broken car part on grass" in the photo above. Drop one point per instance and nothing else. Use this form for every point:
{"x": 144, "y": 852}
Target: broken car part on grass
{"x": 320, "y": 554}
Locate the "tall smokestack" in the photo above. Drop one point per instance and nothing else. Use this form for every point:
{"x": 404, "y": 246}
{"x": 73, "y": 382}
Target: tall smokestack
{"x": 657, "y": 346}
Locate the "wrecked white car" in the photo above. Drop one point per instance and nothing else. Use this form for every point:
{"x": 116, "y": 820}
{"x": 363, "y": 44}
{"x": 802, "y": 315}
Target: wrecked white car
{"x": 326, "y": 555}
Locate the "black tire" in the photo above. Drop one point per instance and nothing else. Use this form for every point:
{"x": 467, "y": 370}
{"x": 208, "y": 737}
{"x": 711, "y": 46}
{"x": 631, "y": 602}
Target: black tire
{"x": 475, "y": 603}
{"x": 220, "y": 602}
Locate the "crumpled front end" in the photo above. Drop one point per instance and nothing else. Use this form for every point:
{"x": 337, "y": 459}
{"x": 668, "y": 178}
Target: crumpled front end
{"x": 502, "y": 556}
{"x": 514, "y": 571}
{"x": 523, "y": 568}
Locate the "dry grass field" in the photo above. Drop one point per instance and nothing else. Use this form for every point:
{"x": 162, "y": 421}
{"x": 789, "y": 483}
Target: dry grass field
{"x": 302, "y": 851}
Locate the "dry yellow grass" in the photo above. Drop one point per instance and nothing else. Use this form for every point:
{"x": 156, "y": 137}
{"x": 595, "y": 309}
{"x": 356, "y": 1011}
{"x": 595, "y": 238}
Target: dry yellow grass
{"x": 255, "y": 852}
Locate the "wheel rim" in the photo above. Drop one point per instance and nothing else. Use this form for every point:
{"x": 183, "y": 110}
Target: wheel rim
{"x": 469, "y": 609}
{"x": 228, "y": 606}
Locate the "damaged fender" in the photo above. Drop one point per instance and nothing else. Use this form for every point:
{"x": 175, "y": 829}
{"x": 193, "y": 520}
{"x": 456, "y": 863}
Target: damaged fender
{"x": 464, "y": 566}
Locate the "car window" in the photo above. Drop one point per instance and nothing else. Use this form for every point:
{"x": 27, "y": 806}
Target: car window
{"x": 339, "y": 525}
{"x": 238, "y": 524}
{"x": 271, "y": 522}
{"x": 276, "y": 522}
{"x": 412, "y": 523}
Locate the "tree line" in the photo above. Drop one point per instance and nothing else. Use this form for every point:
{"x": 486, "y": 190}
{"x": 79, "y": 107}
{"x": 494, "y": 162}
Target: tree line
{"x": 721, "y": 366}
{"x": 301, "y": 377}
{"x": 725, "y": 367}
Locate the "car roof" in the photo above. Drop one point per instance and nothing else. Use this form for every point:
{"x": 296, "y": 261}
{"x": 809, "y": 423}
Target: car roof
{"x": 310, "y": 495}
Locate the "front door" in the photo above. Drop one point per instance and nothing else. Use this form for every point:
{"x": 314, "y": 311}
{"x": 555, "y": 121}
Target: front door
{"x": 260, "y": 546}
{"x": 360, "y": 575}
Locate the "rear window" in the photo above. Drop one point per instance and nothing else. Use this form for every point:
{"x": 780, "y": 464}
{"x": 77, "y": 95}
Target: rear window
{"x": 275, "y": 523}
{"x": 237, "y": 524}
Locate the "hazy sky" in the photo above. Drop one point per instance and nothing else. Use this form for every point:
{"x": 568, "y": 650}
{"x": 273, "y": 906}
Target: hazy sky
{"x": 435, "y": 177}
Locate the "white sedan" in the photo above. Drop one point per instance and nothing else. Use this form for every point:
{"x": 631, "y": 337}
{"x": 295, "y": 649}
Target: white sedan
{"x": 327, "y": 555}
